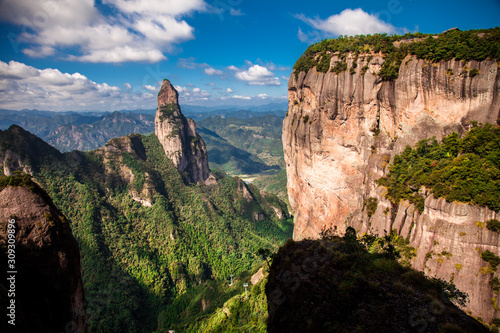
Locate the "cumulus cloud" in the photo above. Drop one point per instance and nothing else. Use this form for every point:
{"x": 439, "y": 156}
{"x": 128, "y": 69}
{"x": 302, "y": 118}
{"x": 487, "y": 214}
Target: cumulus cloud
{"x": 348, "y": 22}
{"x": 263, "y": 96}
{"x": 26, "y": 87}
{"x": 229, "y": 90}
{"x": 135, "y": 31}
{"x": 192, "y": 95}
{"x": 258, "y": 75}
{"x": 127, "y": 86}
{"x": 150, "y": 88}
{"x": 212, "y": 71}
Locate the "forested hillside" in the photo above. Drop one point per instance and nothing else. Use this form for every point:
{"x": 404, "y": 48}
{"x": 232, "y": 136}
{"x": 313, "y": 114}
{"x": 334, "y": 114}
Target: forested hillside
{"x": 145, "y": 236}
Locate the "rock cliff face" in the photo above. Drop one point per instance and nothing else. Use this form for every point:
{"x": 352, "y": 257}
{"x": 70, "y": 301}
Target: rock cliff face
{"x": 48, "y": 285}
{"x": 179, "y": 138}
{"x": 341, "y": 132}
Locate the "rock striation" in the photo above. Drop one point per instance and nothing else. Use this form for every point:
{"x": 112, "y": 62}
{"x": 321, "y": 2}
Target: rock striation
{"x": 341, "y": 132}
{"x": 48, "y": 288}
{"x": 179, "y": 139}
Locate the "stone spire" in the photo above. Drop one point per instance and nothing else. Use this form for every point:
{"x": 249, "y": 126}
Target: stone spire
{"x": 182, "y": 145}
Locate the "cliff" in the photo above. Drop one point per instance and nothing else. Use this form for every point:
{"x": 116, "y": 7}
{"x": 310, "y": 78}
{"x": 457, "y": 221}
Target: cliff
{"x": 344, "y": 127}
{"x": 179, "y": 139}
{"x": 48, "y": 286}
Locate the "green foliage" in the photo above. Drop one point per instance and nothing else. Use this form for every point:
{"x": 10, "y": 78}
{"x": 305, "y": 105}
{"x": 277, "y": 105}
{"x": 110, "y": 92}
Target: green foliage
{"x": 392, "y": 246}
{"x": 339, "y": 67}
{"x": 275, "y": 184}
{"x": 167, "y": 111}
{"x": 371, "y": 205}
{"x": 18, "y": 180}
{"x": 459, "y": 169}
{"x": 493, "y": 225}
{"x": 324, "y": 64}
{"x": 216, "y": 307}
{"x": 491, "y": 259}
{"x": 461, "y": 45}
{"x": 495, "y": 284}
{"x": 473, "y": 72}
{"x": 137, "y": 259}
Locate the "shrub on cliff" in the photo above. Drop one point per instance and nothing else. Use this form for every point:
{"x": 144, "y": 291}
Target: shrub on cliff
{"x": 459, "y": 169}
{"x": 461, "y": 45}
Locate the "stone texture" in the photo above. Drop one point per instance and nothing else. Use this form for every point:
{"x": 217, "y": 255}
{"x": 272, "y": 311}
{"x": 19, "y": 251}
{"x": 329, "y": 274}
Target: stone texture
{"x": 179, "y": 139}
{"x": 49, "y": 290}
{"x": 257, "y": 276}
{"x": 341, "y": 132}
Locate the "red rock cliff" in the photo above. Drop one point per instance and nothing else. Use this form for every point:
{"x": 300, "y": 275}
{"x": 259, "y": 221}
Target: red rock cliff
{"x": 341, "y": 131}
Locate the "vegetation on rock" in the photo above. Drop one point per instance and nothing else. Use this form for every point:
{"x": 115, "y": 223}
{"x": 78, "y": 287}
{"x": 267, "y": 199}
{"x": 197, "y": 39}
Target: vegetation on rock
{"x": 462, "y": 45}
{"x": 459, "y": 169}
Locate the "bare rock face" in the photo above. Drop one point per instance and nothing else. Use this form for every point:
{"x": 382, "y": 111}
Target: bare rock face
{"x": 179, "y": 139}
{"x": 48, "y": 286}
{"x": 342, "y": 131}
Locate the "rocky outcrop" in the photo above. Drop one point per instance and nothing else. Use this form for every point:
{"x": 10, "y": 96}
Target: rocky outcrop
{"x": 179, "y": 139}
{"x": 342, "y": 131}
{"x": 48, "y": 286}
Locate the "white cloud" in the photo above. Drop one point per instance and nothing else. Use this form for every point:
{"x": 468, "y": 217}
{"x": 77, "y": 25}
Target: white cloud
{"x": 26, "y": 87}
{"x": 120, "y": 54}
{"x": 232, "y": 68}
{"x": 258, "y": 75}
{"x": 135, "y": 30}
{"x": 188, "y": 95}
{"x": 127, "y": 86}
{"x": 263, "y": 96}
{"x": 236, "y": 12}
{"x": 302, "y": 36}
{"x": 152, "y": 7}
{"x": 150, "y": 88}
{"x": 348, "y": 22}
{"x": 241, "y": 97}
{"x": 212, "y": 71}
{"x": 229, "y": 90}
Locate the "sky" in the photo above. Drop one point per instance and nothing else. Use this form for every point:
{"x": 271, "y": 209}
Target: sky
{"x": 106, "y": 55}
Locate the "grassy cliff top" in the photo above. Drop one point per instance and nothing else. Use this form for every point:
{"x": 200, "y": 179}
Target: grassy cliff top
{"x": 461, "y": 45}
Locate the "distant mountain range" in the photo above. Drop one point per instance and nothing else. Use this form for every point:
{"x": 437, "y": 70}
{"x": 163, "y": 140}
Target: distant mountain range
{"x": 87, "y": 131}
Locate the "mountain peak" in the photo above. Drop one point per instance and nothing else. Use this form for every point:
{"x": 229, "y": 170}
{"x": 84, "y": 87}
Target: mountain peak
{"x": 167, "y": 94}
{"x": 182, "y": 145}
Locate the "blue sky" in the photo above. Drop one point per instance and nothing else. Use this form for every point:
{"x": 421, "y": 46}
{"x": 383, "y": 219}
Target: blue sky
{"x": 112, "y": 54}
